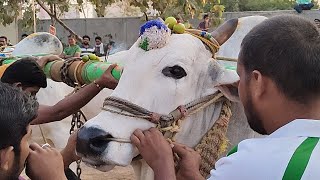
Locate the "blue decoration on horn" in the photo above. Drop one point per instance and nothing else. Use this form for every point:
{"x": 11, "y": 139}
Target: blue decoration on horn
{"x": 154, "y": 34}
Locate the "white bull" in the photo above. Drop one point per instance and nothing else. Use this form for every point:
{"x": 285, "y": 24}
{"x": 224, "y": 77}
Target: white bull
{"x": 144, "y": 83}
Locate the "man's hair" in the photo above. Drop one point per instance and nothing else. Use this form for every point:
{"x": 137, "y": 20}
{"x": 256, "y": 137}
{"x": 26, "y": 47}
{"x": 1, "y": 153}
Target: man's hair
{"x": 27, "y": 72}
{"x": 99, "y": 38}
{"x": 17, "y": 110}
{"x": 86, "y": 36}
{"x": 71, "y": 36}
{"x": 205, "y": 16}
{"x": 286, "y": 49}
{"x": 4, "y": 37}
{"x": 24, "y": 35}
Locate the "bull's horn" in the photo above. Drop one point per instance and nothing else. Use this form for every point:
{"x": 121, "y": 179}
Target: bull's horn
{"x": 224, "y": 32}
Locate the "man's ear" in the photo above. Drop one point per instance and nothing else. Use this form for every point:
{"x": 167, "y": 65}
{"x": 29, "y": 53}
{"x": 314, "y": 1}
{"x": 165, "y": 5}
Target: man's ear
{"x": 18, "y": 84}
{"x": 6, "y": 158}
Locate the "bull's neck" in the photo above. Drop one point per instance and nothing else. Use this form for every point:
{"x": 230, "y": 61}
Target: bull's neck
{"x": 196, "y": 126}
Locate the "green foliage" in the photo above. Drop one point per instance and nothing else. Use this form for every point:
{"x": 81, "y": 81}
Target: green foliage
{"x": 99, "y": 5}
{"x": 184, "y": 8}
{"x": 260, "y": 5}
{"x": 9, "y": 11}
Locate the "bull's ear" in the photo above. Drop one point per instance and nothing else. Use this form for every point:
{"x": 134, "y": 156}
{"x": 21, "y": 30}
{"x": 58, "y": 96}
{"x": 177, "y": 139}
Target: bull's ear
{"x": 224, "y": 80}
{"x": 228, "y": 84}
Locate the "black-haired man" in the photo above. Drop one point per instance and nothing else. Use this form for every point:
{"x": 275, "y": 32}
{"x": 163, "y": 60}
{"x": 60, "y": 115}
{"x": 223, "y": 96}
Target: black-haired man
{"x": 17, "y": 110}
{"x": 100, "y": 48}
{"x": 86, "y": 48}
{"x": 205, "y": 24}
{"x": 31, "y": 78}
{"x": 72, "y": 50}
{"x": 279, "y": 67}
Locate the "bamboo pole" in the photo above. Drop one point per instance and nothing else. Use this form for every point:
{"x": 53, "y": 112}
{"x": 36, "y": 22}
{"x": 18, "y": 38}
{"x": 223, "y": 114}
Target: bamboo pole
{"x": 34, "y": 17}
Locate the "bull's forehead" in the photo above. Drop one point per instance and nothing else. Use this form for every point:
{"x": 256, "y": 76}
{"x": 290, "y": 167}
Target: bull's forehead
{"x": 183, "y": 48}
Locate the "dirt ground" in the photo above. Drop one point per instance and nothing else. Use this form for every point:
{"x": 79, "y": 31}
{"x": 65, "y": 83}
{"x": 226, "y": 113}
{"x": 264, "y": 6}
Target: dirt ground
{"x": 118, "y": 173}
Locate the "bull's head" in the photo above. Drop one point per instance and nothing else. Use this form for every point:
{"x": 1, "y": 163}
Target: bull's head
{"x": 158, "y": 80}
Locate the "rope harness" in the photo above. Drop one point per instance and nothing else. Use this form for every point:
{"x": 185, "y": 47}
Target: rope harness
{"x": 212, "y": 145}
{"x": 64, "y": 72}
{"x": 166, "y": 123}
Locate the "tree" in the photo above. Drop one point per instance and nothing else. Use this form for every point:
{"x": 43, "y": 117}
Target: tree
{"x": 184, "y": 8}
{"x": 260, "y": 5}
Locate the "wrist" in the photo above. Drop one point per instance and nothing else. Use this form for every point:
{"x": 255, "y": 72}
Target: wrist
{"x": 66, "y": 158}
{"x": 163, "y": 166}
{"x": 99, "y": 84}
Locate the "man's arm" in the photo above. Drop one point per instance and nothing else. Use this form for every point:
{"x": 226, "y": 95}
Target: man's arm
{"x": 69, "y": 152}
{"x": 74, "y": 102}
{"x": 78, "y": 52}
{"x": 156, "y": 151}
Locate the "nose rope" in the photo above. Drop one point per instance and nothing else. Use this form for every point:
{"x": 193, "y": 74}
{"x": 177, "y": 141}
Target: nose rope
{"x": 165, "y": 123}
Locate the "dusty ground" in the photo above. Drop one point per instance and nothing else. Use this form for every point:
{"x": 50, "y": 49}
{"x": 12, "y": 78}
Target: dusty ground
{"x": 118, "y": 173}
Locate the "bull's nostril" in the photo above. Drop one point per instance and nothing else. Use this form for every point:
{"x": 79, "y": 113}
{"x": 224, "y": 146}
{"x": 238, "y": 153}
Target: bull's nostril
{"x": 92, "y": 141}
{"x": 100, "y": 143}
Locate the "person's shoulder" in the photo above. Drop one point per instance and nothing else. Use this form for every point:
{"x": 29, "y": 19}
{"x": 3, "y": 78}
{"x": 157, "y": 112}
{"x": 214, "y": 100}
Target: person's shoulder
{"x": 252, "y": 159}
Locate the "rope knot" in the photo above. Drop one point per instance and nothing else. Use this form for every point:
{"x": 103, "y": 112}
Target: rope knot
{"x": 183, "y": 110}
{"x": 155, "y": 118}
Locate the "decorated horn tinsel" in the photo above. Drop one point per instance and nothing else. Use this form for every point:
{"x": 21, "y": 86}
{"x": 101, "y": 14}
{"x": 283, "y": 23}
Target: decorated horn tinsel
{"x": 155, "y": 34}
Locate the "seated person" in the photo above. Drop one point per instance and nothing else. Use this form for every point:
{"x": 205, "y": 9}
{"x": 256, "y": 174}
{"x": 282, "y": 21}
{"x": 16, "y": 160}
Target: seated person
{"x": 72, "y": 50}
{"x": 86, "y": 48}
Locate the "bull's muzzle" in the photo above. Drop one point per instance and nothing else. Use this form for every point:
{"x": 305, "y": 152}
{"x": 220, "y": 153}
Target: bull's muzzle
{"x": 92, "y": 141}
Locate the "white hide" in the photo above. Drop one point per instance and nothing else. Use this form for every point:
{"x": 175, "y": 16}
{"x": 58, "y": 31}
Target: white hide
{"x": 143, "y": 83}
{"x": 38, "y": 43}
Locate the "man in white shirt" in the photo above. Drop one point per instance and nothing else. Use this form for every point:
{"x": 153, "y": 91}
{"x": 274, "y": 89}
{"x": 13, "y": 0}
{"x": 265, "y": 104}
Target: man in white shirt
{"x": 86, "y": 48}
{"x": 279, "y": 69}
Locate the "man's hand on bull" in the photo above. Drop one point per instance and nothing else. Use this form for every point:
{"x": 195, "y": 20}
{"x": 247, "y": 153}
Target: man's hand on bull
{"x": 45, "y": 59}
{"x": 44, "y": 163}
{"x": 189, "y": 164}
{"x": 69, "y": 152}
{"x": 107, "y": 80}
{"x": 156, "y": 151}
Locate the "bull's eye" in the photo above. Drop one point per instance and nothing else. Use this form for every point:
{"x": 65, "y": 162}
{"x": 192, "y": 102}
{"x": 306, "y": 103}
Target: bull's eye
{"x": 176, "y": 72}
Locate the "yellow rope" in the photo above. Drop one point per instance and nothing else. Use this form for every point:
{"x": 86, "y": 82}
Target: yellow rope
{"x": 226, "y": 59}
{"x": 214, "y": 143}
{"x": 212, "y": 43}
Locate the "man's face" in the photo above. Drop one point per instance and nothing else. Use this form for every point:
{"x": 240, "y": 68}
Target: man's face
{"x": 17, "y": 161}
{"x": 206, "y": 19}
{"x": 3, "y": 42}
{"x": 85, "y": 41}
{"x": 33, "y": 90}
{"x": 71, "y": 41}
{"x": 245, "y": 94}
{"x": 98, "y": 42}
{"x": 25, "y": 150}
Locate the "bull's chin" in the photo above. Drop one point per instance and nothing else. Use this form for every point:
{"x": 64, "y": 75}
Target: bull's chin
{"x": 99, "y": 166}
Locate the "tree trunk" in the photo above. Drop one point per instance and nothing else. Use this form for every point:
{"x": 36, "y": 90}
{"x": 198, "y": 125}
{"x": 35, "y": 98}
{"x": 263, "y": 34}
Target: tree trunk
{"x": 54, "y": 16}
